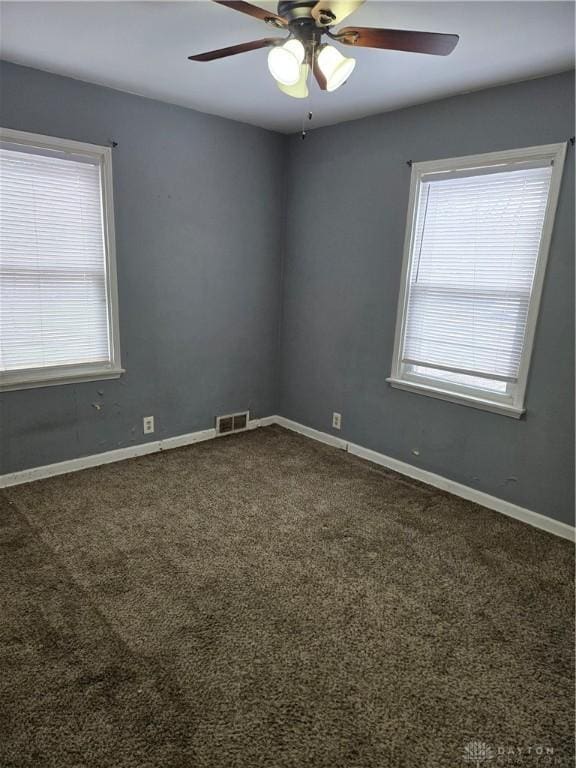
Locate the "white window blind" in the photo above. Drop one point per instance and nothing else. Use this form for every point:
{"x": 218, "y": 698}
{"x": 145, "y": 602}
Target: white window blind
{"x": 53, "y": 275}
{"x": 475, "y": 249}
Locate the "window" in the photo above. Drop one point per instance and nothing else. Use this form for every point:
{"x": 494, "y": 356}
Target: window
{"x": 477, "y": 241}
{"x": 58, "y": 302}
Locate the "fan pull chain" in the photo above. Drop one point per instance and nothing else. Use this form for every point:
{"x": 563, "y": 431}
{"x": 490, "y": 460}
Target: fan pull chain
{"x": 304, "y": 132}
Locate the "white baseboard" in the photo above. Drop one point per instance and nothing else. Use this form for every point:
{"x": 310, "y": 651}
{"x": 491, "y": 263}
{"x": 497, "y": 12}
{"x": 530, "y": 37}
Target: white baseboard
{"x": 322, "y": 437}
{"x": 430, "y": 478}
{"x": 119, "y": 454}
{"x": 438, "y": 481}
{"x": 265, "y": 421}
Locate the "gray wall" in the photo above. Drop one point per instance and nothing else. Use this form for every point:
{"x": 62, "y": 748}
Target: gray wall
{"x": 198, "y": 215}
{"x": 222, "y": 228}
{"x": 347, "y": 199}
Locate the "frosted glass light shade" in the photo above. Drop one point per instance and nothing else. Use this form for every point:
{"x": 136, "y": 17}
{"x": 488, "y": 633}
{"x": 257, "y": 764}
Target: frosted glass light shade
{"x": 284, "y": 62}
{"x": 300, "y": 89}
{"x": 335, "y": 67}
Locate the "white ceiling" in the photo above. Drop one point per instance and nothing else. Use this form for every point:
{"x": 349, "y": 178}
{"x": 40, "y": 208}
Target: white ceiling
{"x": 142, "y": 47}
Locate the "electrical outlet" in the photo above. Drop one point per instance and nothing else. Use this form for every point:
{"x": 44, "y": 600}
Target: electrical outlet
{"x": 148, "y": 424}
{"x": 336, "y": 420}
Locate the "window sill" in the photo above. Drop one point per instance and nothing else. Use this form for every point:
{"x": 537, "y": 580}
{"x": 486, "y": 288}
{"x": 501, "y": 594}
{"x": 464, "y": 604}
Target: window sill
{"x": 32, "y": 380}
{"x": 452, "y": 397}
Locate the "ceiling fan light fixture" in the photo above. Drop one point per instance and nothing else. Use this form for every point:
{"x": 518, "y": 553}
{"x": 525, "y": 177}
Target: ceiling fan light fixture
{"x": 284, "y": 62}
{"x": 335, "y": 67}
{"x": 291, "y": 59}
{"x": 300, "y": 89}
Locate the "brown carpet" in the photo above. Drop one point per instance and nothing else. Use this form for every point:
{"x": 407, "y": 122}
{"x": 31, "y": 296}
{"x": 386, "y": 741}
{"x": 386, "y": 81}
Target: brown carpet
{"x": 264, "y": 600}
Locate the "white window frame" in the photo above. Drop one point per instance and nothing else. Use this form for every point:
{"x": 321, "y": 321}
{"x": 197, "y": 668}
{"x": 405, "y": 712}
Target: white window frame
{"x": 512, "y": 403}
{"x": 67, "y": 374}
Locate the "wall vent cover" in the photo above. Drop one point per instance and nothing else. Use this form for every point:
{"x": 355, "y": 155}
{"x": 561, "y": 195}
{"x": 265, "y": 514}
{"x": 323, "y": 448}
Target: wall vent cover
{"x": 234, "y": 422}
{"x": 240, "y": 421}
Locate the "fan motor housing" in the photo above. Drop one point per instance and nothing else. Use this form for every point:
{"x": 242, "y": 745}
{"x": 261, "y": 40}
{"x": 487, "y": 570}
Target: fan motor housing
{"x": 295, "y": 9}
{"x": 300, "y": 21}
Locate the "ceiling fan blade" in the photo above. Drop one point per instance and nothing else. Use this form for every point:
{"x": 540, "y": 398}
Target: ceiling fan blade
{"x": 329, "y": 12}
{"x": 234, "y": 49}
{"x": 398, "y": 40}
{"x": 255, "y": 11}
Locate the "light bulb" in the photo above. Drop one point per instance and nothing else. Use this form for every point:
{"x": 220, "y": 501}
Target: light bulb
{"x": 300, "y": 89}
{"x": 335, "y": 67}
{"x": 284, "y": 62}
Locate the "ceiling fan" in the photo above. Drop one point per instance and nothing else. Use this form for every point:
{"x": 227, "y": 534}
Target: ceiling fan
{"x": 292, "y": 58}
